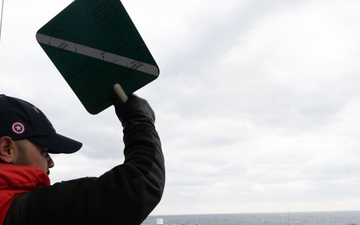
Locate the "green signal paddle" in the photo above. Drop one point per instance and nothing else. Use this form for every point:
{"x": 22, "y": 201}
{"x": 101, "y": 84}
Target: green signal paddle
{"x": 98, "y": 50}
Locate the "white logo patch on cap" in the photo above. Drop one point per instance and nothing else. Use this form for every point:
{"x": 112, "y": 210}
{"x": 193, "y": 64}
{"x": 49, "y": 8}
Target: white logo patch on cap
{"x": 18, "y": 128}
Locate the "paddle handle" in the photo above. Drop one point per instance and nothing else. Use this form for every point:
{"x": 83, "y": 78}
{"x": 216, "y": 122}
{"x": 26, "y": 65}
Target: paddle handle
{"x": 120, "y": 92}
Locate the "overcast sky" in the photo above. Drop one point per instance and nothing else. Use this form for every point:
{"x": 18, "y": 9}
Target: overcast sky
{"x": 257, "y": 102}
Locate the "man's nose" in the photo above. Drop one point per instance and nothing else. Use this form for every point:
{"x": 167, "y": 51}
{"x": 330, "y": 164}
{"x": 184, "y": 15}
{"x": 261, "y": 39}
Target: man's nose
{"x": 51, "y": 163}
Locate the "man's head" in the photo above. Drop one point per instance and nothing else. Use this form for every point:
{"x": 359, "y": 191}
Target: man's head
{"x": 24, "y": 125}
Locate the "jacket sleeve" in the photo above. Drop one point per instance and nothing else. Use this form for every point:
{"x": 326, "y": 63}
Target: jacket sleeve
{"x": 124, "y": 195}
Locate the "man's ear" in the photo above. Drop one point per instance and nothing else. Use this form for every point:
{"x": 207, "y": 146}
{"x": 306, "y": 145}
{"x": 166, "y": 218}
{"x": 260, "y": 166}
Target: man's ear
{"x": 6, "y": 149}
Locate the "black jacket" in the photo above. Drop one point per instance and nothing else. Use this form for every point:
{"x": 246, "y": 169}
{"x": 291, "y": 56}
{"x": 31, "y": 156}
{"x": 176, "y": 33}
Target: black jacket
{"x": 124, "y": 195}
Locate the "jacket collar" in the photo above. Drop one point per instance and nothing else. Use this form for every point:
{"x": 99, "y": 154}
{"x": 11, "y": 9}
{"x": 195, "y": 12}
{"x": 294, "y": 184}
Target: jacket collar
{"x": 17, "y": 177}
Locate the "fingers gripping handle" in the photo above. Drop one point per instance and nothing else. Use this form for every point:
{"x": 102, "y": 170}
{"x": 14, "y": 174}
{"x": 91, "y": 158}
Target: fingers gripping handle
{"x": 120, "y": 92}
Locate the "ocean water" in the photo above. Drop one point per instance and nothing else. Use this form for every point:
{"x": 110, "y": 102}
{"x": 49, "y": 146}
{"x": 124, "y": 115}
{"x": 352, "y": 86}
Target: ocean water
{"x": 288, "y": 218}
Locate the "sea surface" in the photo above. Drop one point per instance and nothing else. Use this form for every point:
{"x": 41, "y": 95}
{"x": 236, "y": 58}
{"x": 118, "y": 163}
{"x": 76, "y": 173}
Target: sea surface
{"x": 286, "y": 218}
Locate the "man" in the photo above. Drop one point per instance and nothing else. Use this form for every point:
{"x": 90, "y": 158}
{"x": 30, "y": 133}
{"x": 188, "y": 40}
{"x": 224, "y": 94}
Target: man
{"x": 125, "y": 194}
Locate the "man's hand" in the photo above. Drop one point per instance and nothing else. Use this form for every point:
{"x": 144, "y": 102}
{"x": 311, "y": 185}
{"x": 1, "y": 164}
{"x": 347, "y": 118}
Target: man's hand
{"x": 134, "y": 108}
